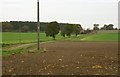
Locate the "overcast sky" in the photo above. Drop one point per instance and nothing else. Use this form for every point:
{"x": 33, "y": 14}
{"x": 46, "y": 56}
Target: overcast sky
{"x": 84, "y": 12}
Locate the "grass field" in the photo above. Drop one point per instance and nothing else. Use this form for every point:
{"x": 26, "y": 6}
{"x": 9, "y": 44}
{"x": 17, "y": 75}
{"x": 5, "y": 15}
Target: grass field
{"x": 12, "y": 37}
{"x": 102, "y": 37}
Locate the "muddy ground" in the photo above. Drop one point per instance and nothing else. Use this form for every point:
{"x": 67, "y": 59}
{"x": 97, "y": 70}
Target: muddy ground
{"x": 65, "y": 58}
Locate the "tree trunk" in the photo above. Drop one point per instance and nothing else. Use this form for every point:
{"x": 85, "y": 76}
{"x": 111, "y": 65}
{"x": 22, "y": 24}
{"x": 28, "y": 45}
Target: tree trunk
{"x": 53, "y": 37}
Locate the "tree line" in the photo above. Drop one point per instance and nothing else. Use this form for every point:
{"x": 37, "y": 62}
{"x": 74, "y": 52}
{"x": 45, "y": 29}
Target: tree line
{"x": 25, "y": 26}
{"x": 16, "y": 26}
{"x": 53, "y": 28}
{"x": 105, "y": 27}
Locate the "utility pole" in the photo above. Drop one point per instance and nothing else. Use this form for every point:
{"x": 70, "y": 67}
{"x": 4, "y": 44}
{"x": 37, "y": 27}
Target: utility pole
{"x": 38, "y": 25}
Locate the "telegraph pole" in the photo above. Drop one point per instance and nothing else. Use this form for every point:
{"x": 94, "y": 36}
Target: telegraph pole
{"x": 38, "y": 25}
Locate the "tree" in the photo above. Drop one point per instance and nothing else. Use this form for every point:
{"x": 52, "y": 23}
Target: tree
{"x": 63, "y": 33}
{"x": 115, "y": 28}
{"x": 7, "y": 27}
{"x": 68, "y": 29}
{"x": 108, "y": 27}
{"x": 88, "y": 31}
{"x": 25, "y": 28}
{"x": 105, "y": 27}
{"x": 52, "y": 29}
{"x": 77, "y": 29}
{"x": 95, "y": 27}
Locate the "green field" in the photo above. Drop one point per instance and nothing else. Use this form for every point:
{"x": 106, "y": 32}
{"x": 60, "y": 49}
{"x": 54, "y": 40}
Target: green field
{"x": 12, "y": 37}
{"x": 102, "y": 37}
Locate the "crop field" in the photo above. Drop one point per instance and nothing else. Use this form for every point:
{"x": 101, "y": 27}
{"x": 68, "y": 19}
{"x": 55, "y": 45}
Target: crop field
{"x": 13, "y": 37}
{"x": 102, "y": 37}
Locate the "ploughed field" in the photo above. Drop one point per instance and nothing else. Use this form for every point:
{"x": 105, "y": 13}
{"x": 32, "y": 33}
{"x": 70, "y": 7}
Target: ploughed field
{"x": 65, "y": 58}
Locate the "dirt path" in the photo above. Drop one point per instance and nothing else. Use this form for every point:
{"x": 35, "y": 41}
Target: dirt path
{"x": 66, "y": 58}
{"x": 14, "y": 47}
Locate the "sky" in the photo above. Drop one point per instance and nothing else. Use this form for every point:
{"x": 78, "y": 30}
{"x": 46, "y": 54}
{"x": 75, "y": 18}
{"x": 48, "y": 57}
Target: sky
{"x": 84, "y": 12}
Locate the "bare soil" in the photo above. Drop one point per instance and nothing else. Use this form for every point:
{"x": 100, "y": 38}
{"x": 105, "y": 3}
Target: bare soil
{"x": 65, "y": 58}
